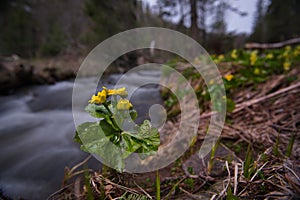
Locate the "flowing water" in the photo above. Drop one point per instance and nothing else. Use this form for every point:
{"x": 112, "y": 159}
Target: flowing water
{"x": 37, "y": 129}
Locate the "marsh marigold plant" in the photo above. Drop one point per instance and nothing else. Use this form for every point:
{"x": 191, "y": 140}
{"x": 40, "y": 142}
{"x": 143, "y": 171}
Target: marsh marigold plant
{"x": 107, "y": 138}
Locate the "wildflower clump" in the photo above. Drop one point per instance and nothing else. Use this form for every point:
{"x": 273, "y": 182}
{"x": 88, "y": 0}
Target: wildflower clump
{"x": 114, "y": 136}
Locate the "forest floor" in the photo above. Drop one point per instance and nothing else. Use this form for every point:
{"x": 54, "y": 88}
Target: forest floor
{"x": 256, "y": 157}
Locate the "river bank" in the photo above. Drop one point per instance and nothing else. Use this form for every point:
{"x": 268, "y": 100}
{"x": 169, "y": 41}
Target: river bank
{"x": 16, "y": 73}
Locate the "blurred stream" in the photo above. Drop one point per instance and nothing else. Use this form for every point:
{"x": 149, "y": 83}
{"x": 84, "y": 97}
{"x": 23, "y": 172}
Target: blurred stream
{"x": 37, "y": 129}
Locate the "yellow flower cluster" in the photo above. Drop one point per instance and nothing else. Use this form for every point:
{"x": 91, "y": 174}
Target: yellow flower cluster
{"x": 253, "y": 58}
{"x": 101, "y": 96}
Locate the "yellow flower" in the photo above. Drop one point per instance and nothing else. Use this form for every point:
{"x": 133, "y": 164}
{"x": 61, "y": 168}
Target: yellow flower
{"x": 288, "y": 48}
{"x": 228, "y": 77}
{"x": 297, "y": 51}
{"x": 286, "y": 52}
{"x": 253, "y": 57}
{"x": 286, "y": 65}
{"x": 256, "y": 71}
{"x": 269, "y": 56}
{"x": 121, "y": 91}
{"x": 216, "y": 60}
{"x": 221, "y": 57}
{"x": 124, "y": 104}
{"x": 99, "y": 98}
{"x": 234, "y": 54}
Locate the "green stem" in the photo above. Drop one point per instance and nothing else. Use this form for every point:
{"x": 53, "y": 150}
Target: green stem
{"x": 111, "y": 116}
{"x": 106, "y": 106}
{"x": 212, "y": 157}
{"x": 157, "y": 185}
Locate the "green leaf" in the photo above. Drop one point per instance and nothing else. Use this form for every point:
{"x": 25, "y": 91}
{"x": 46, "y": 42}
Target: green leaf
{"x": 98, "y": 111}
{"x": 248, "y": 170}
{"x": 96, "y": 140}
{"x": 129, "y": 144}
{"x": 91, "y": 136}
{"x": 145, "y": 127}
{"x": 77, "y": 138}
{"x": 145, "y": 140}
{"x": 230, "y": 195}
{"x": 149, "y": 137}
{"x": 107, "y": 128}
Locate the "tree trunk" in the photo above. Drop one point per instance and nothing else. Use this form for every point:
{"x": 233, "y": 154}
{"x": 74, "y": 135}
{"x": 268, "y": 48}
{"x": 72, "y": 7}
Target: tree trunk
{"x": 194, "y": 19}
{"x": 202, "y": 20}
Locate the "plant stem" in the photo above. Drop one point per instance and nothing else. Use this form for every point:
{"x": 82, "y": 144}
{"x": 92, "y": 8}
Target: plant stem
{"x": 157, "y": 185}
{"x": 111, "y": 116}
{"x": 106, "y": 106}
{"x": 212, "y": 156}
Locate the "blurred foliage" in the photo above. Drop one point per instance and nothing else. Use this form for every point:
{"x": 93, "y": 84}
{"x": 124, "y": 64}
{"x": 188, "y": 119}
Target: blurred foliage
{"x": 276, "y": 21}
{"x": 40, "y": 28}
{"x": 111, "y": 17}
{"x": 55, "y": 41}
{"x": 244, "y": 68}
{"x": 48, "y": 28}
{"x": 282, "y": 19}
{"x": 18, "y": 36}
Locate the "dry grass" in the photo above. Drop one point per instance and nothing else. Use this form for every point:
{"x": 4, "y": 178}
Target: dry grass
{"x": 271, "y": 115}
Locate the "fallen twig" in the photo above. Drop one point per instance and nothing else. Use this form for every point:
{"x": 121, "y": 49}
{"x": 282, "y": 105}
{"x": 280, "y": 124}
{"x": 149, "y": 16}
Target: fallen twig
{"x": 272, "y": 45}
{"x": 244, "y": 105}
